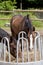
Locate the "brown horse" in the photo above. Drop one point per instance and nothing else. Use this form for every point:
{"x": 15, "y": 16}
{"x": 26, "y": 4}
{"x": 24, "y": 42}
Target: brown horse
{"x": 19, "y": 23}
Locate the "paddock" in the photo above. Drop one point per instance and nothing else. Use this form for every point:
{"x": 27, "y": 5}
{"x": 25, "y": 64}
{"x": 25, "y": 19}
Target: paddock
{"x": 37, "y": 54}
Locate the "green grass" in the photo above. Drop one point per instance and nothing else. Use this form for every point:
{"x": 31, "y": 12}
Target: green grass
{"x": 2, "y": 24}
{"x": 38, "y": 24}
{"x": 6, "y": 16}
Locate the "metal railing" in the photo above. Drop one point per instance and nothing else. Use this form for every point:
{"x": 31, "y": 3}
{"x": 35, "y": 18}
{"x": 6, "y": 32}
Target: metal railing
{"x": 21, "y": 37}
{"x": 4, "y": 44}
{"x": 35, "y": 46}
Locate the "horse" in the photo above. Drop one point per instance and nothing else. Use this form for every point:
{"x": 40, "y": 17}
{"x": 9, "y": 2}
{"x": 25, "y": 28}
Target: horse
{"x": 20, "y": 23}
{"x": 3, "y": 33}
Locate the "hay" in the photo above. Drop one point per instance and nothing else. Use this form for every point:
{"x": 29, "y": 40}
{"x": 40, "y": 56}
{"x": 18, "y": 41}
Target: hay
{"x": 7, "y": 57}
{"x": 31, "y": 57}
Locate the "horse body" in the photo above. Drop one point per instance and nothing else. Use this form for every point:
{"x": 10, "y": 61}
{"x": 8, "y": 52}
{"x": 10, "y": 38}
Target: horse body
{"x": 16, "y": 25}
{"x": 19, "y": 23}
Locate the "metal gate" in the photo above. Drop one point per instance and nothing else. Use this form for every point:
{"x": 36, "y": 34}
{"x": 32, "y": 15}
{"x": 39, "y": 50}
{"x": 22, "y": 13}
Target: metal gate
{"x": 37, "y": 39}
{"x": 21, "y": 37}
{"x": 3, "y": 49}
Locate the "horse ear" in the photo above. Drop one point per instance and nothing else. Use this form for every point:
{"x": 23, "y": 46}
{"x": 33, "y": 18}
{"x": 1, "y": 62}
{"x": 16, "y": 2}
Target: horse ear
{"x": 27, "y": 16}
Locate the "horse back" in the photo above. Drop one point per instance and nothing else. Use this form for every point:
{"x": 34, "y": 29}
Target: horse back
{"x": 16, "y": 24}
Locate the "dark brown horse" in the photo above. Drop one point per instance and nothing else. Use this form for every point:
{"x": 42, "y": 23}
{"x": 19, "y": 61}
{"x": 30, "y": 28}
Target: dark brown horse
{"x": 3, "y": 33}
{"x": 19, "y": 23}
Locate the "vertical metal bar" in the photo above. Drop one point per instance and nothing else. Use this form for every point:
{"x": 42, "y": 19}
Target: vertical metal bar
{"x": 6, "y": 39}
{"x": 4, "y": 52}
{"x": 9, "y": 51}
{"x": 41, "y": 48}
{"x": 22, "y": 38}
{"x": 27, "y": 50}
{"x": 37, "y": 37}
{"x": 8, "y": 48}
{"x": 22, "y": 49}
{"x": 35, "y": 50}
{"x": 17, "y": 50}
{"x": 39, "y": 44}
{"x": 4, "y": 48}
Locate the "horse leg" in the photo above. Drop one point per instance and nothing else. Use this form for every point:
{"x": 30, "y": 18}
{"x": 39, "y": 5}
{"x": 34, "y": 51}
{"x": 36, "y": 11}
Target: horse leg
{"x": 13, "y": 46}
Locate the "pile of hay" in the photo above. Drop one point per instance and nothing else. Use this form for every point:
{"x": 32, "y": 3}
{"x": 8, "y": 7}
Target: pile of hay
{"x": 31, "y": 57}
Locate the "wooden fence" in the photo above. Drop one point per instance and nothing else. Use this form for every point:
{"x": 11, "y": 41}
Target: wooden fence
{"x": 22, "y": 11}
{"x": 41, "y": 11}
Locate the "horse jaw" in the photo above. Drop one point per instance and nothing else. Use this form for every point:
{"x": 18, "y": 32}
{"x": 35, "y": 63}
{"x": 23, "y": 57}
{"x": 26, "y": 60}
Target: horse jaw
{"x": 31, "y": 42}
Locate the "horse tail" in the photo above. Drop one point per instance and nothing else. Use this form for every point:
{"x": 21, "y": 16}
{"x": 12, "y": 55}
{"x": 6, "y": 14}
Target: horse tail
{"x": 11, "y": 26}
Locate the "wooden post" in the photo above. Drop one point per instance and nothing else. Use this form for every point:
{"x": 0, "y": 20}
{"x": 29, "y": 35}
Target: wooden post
{"x": 21, "y": 4}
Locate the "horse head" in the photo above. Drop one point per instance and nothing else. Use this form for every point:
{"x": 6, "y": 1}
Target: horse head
{"x": 30, "y": 31}
{"x": 28, "y": 25}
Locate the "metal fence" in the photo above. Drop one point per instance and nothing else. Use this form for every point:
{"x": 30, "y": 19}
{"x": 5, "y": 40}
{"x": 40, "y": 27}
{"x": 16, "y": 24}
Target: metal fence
{"x": 35, "y": 62}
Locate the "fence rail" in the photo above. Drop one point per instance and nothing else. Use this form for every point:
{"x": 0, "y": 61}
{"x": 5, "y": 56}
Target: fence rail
{"x": 21, "y": 11}
{"x": 31, "y": 19}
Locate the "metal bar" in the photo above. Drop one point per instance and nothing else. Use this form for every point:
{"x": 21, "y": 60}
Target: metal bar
{"x": 27, "y": 50}
{"x": 22, "y": 49}
{"x": 17, "y": 50}
{"x": 21, "y": 33}
{"x": 35, "y": 50}
{"x": 22, "y": 38}
{"x": 39, "y": 44}
{"x": 38, "y": 36}
{"x": 4, "y": 51}
{"x": 41, "y": 48}
{"x": 6, "y": 39}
